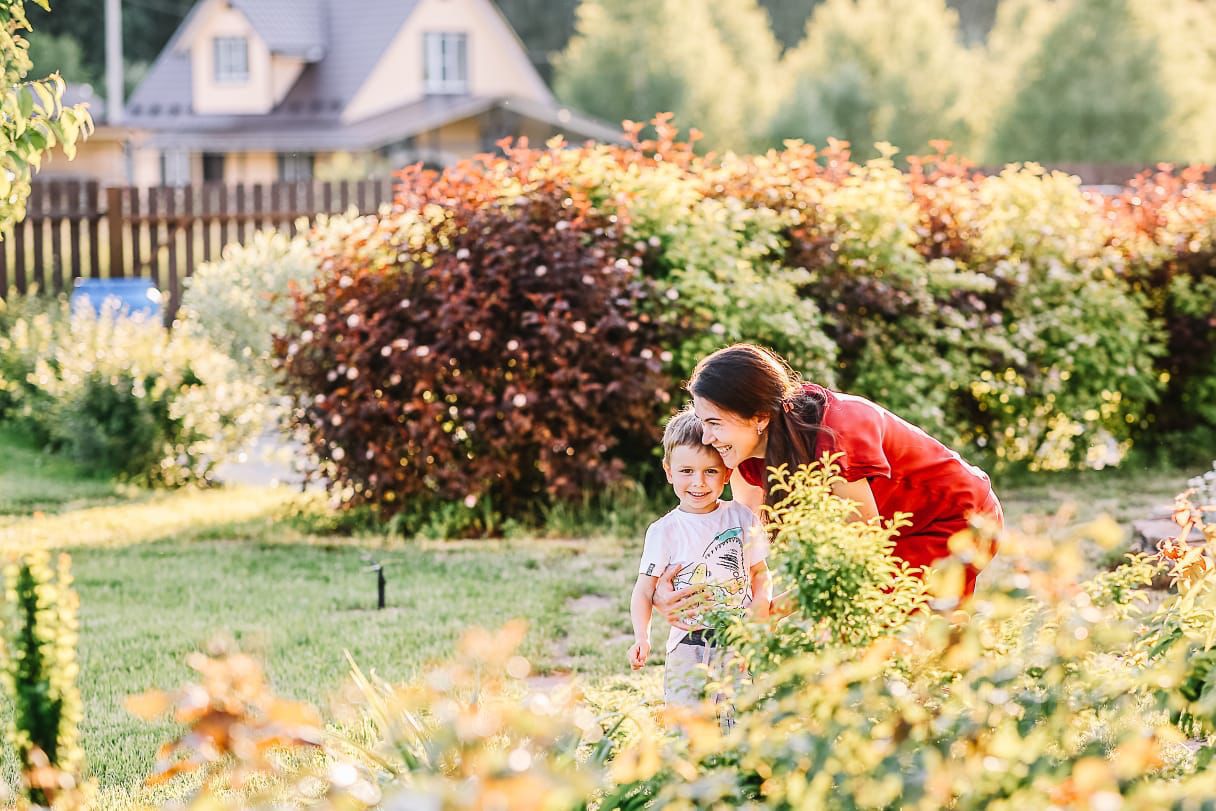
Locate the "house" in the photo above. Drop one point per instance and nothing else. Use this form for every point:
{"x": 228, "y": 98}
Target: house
{"x": 266, "y": 90}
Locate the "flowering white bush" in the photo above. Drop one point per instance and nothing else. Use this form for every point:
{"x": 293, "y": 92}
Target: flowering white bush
{"x": 241, "y": 301}
{"x": 126, "y": 396}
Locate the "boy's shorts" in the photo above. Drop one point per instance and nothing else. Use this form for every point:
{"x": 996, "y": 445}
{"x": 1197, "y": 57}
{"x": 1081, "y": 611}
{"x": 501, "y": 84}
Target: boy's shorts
{"x": 692, "y": 667}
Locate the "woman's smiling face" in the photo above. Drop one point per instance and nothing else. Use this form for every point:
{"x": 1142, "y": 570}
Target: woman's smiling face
{"x": 734, "y": 437}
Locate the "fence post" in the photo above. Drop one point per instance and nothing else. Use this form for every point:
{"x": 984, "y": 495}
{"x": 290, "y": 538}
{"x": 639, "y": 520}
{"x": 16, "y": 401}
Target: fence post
{"x": 114, "y": 222}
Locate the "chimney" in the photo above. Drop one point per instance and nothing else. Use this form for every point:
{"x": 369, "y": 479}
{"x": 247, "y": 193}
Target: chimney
{"x": 114, "y": 66}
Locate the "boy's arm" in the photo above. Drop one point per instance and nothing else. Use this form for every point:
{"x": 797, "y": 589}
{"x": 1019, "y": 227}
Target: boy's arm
{"x": 640, "y": 607}
{"x": 762, "y": 590}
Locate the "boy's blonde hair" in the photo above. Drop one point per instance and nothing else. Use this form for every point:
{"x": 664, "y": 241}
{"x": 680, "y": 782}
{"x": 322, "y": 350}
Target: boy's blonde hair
{"x": 683, "y": 431}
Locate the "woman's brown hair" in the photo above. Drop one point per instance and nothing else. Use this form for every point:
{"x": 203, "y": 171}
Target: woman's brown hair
{"x": 749, "y": 381}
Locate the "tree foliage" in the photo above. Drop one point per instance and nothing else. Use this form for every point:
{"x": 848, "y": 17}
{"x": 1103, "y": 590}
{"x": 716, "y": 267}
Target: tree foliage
{"x": 146, "y": 28}
{"x": 878, "y": 70}
{"x": 631, "y": 59}
{"x": 1094, "y": 91}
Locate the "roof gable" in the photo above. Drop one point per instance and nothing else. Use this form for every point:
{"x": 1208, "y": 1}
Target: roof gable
{"x": 289, "y": 27}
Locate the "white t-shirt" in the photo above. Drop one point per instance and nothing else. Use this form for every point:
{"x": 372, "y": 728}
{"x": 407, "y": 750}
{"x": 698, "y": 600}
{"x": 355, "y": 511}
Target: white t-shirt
{"x": 717, "y": 548}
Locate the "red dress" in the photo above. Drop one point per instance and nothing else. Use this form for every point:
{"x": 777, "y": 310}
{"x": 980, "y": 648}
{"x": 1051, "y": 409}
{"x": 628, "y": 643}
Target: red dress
{"x": 908, "y": 471}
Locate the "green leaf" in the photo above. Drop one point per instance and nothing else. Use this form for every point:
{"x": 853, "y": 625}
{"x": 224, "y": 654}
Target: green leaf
{"x": 25, "y": 101}
{"x": 48, "y": 99}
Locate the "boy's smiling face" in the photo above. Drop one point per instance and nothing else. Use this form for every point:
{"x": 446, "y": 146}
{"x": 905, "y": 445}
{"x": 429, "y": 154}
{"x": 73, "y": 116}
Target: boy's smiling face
{"x": 698, "y": 476}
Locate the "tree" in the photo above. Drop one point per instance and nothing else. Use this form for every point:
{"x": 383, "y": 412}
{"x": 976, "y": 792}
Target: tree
{"x": 32, "y": 116}
{"x": 1186, "y": 33}
{"x": 544, "y": 27}
{"x": 146, "y": 27}
{"x": 1093, "y": 91}
{"x": 50, "y": 53}
{"x": 755, "y": 54}
{"x": 1014, "y": 39}
{"x": 631, "y": 59}
{"x": 878, "y": 70}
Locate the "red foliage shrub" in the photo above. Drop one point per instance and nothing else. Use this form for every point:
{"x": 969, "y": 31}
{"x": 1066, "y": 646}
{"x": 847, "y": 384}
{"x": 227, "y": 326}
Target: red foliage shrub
{"x": 510, "y": 357}
{"x": 1163, "y": 223}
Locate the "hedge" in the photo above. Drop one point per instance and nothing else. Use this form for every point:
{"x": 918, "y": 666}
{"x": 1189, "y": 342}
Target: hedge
{"x": 1021, "y": 318}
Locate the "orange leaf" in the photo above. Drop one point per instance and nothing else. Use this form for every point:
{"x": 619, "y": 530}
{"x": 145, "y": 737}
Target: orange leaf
{"x": 148, "y": 705}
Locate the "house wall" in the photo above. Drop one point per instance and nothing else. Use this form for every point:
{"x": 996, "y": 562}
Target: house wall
{"x": 251, "y": 167}
{"x": 97, "y": 158}
{"x": 145, "y": 166}
{"x": 254, "y": 95}
{"x": 497, "y": 66}
{"x": 284, "y": 70}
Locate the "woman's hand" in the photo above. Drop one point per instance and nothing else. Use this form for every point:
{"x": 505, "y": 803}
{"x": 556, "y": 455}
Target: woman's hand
{"x": 676, "y": 605}
{"x": 782, "y": 605}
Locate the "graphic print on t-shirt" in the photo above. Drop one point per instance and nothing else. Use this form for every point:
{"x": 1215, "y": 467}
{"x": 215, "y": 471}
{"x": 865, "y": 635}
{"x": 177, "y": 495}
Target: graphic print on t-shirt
{"x": 721, "y": 571}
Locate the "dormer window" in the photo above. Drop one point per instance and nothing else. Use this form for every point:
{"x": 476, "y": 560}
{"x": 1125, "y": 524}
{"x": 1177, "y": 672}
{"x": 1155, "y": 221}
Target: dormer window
{"x": 231, "y": 60}
{"x": 445, "y": 68}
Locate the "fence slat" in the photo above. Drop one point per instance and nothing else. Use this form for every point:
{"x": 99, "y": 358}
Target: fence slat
{"x": 77, "y": 212}
{"x": 225, "y": 209}
{"x": 136, "y": 232}
{"x": 240, "y": 216}
{"x": 172, "y": 269}
{"x": 114, "y": 231}
{"x": 35, "y": 214}
{"x": 205, "y": 192}
{"x": 19, "y": 257}
{"x": 258, "y": 191}
{"x": 57, "y": 216}
{"x": 188, "y": 223}
{"x": 92, "y": 198}
{"x": 293, "y": 205}
{"x": 154, "y": 243}
{"x": 276, "y": 205}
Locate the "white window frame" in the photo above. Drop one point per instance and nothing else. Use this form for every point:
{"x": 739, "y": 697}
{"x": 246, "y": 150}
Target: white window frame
{"x": 445, "y": 63}
{"x": 175, "y": 167}
{"x": 231, "y": 60}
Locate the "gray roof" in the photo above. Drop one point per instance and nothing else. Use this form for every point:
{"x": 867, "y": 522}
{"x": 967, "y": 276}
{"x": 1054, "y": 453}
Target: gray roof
{"x": 291, "y": 27}
{"x": 271, "y": 133}
{"x": 354, "y": 43}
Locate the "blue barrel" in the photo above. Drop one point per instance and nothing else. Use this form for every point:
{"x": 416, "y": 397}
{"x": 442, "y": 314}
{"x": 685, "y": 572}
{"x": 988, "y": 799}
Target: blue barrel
{"x": 127, "y": 296}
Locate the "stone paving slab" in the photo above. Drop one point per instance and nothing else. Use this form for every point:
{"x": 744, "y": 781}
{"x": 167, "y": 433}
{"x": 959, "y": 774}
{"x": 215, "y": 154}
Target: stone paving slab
{"x": 1147, "y": 533}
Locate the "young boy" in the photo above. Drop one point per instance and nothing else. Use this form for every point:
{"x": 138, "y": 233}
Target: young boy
{"x": 719, "y": 545}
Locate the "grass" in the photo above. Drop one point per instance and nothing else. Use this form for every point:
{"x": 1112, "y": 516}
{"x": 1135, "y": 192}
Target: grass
{"x": 32, "y": 481}
{"x": 160, "y": 574}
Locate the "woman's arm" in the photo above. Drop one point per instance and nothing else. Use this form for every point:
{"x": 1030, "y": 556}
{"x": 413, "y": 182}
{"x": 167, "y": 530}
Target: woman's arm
{"x": 762, "y": 591}
{"x": 861, "y": 495}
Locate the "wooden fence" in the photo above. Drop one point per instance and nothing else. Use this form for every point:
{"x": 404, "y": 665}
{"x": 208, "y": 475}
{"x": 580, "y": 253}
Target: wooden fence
{"x": 75, "y": 229}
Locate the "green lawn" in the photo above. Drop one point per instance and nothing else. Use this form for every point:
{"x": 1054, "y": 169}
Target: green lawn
{"x": 160, "y": 574}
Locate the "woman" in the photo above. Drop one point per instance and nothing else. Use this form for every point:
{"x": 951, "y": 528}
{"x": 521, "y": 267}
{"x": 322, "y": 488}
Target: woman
{"x": 758, "y": 415}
